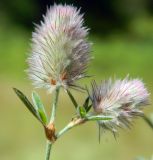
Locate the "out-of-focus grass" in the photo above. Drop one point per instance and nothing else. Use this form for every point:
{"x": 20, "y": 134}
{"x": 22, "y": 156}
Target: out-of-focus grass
{"x": 13, "y": 48}
{"x": 21, "y": 136}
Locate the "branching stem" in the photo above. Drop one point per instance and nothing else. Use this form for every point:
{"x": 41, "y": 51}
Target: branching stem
{"x": 69, "y": 126}
{"x": 52, "y": 119}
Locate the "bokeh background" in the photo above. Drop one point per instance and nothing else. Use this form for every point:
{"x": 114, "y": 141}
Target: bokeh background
{"x": 122, "y": 36}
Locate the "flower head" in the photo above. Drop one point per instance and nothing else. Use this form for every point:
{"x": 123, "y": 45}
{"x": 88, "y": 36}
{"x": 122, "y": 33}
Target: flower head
{"x": 123, "y": 100}
{"x": 60, "y": 51}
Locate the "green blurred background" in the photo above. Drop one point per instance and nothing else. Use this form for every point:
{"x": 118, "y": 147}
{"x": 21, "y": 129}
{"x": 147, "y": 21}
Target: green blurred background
{"x": 122, "y": 36}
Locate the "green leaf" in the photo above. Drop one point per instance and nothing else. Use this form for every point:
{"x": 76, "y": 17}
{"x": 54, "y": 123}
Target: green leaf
{"x": 98, "y": 117}
{"x": 72, "y": 99}
{"x": 39, "y": 107}
{"x": 88, "y": 108}
{"x": 86, "y": 103}
{"x": 148, "y": 121}
{"x": 27, "y": 103}
{"x": 81, "y": 111}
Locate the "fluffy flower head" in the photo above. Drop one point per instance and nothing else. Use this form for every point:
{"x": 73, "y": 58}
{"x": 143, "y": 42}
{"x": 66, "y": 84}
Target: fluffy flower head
{"x": 60, "y": 51}
{"x": 123, "y": 100}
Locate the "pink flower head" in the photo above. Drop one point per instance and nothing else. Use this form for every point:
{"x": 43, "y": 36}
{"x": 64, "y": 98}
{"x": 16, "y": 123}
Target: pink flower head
{"x": 60, "y": 51}
{"x": 123, "y": 100}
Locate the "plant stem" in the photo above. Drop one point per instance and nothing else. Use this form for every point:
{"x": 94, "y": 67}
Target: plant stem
{"x": 78, "y": 121}
{"x": 48, "y": 150}
{"x": 148, "y": 121}
{"x": 69, "y": 126}
{"x": 60, "y": 133}
{"x": 52, "y": 119}
{"x": 54, "y": 106}
{"x": 65, "y": 129}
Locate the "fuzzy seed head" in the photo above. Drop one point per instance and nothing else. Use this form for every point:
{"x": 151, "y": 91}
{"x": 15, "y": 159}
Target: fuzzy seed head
{"x": 60, "y": 51}
{"x": 123, "y": 100}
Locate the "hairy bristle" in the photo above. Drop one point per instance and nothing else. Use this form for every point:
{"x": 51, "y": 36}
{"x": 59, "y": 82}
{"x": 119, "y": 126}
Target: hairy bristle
{"x": 122, "y": 99}
{"x": 60, "y": 50}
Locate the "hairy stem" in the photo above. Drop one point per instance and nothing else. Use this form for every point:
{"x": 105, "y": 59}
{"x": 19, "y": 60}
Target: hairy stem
{"x": 48, "y": 150}
{"x": 69, "y": 126}
{"x": 54, "y": 106}
{"x": 52, "y": 119}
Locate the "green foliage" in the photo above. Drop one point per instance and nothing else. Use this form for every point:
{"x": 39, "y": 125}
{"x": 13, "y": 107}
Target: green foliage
{"x": 81, "y": 111}
{"x": 72, "y": 99}
{"x": 27, "y": 103}
{"x": 86, "y": 104}
{"x": 39, "y": 107}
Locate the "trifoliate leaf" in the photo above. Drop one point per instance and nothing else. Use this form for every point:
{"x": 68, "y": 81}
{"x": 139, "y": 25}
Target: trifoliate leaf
{"x": 39, "y": 107}
{"x": 27, "y": 103}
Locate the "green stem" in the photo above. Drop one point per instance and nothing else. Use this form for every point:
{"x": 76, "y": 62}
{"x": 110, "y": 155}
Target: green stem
{"x": 148, "y": 121}
{"x": 48, "y": 150}
{"x": 78, "y": 121}
{"x": 60, "y": 133}
{"x": 70, "y": 126}
{"x": 52, "y": 119}
{"x": 54, "y": 106}
{"x": 65, "y": 129}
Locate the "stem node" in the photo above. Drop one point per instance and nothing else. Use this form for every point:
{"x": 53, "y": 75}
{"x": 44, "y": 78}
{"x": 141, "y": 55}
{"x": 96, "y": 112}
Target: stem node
{"x": 50, "y": 132}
